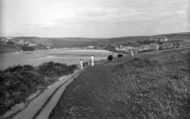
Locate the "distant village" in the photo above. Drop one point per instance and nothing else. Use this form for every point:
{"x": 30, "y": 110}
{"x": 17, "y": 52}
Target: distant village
{"x": 20, "y": 42}
{"x": 24, "y": 45}
{"x": 151, "y": 44}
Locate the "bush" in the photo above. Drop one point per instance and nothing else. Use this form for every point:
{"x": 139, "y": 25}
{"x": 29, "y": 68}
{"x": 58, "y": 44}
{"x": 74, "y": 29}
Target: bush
{"x": 10, "y": 42}
{"x": 119, "y": 55}
{"x": 55, "y": 69}
{"x": 17, "y": 83}
{"x": 27, "y": 48}
{"x": 110, "y": 58}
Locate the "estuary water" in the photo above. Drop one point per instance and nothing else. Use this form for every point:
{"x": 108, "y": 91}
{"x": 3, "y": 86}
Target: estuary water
{"x": 62, "y": 55}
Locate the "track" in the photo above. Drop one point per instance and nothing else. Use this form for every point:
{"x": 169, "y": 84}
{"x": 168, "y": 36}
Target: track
{"x": 42, "y": 105}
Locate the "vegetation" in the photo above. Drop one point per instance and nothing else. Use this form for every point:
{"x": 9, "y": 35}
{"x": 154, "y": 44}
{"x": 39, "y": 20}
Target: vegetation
{"x": 19, "y": 82}
{"x": 149, "y": 86}
{"x": 8, "y": 48}
{"x": 27, "y": 48}
{"x": 147, "y": 41}
{"x": 52, "y": 69}
{"x": 110, "y": 58}
{"x": 119, "y": 55}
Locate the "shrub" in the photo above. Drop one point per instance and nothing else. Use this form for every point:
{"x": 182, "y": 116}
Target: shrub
{"x": 10, "y": 42}
{"x": 119, "y": 55}
{"x": 27, "y": 48}
{"x": 17, "y": 83}
{"x": 55, "y": 69}
{"x": 110, "y": 58}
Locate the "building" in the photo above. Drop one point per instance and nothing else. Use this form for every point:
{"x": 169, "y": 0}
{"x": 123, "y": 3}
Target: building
{"x": 150, "y": 47}
{"x": 166, "y": 46}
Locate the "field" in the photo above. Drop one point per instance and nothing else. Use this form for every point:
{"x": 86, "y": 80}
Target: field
{"x": 152, "y": 85}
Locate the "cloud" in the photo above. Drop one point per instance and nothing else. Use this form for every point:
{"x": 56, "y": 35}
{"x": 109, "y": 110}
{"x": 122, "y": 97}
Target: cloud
{"x": 94, "y": 17}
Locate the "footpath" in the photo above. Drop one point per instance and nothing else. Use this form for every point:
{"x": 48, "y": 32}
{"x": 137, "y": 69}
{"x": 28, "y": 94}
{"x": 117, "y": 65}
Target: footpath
{"x": 42, "y": 105}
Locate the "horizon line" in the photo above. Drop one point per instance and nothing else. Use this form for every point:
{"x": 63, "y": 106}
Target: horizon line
{"x": 97, "y": 37}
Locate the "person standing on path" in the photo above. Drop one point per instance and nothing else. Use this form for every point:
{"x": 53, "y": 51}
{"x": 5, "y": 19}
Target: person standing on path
{"x": 81, "y": 64}
{"x": 92, "y": 60}
{"x": 89, "y": 61}
{"x": 132, "y": 53}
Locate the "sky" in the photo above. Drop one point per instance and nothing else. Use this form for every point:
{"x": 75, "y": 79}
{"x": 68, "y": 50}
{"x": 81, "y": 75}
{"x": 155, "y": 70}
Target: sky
{"x": 93, "y": 18}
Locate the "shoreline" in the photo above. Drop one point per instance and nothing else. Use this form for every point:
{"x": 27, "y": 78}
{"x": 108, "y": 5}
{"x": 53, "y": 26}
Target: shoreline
{"x": 62, "y": 55}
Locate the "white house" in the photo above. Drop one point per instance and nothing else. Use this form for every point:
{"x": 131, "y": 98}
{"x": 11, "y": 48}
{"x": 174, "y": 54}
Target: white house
{"x": 32, "y": 44}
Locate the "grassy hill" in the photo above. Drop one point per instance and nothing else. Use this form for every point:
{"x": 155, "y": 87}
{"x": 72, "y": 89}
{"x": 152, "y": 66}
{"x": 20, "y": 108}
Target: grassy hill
{"x": 177, "y": 36}
{"x": 152, "y": 85}
{"x": 43, "y": 43}
{"x": 173, "y": 36}
{"x": 57, "y": 42}
{"x": 174, "y": 40}
{"x": 8, "y": 48}
{"x": 105, "y": 43}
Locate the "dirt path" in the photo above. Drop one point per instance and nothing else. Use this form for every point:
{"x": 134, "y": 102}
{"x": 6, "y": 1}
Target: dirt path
{"x": 41, "y": 106}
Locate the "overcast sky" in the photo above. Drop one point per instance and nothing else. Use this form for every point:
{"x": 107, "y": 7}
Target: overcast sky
{"x": 93, "y": 18}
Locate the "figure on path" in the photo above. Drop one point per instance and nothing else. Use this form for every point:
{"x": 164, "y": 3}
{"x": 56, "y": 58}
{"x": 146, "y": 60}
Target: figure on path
{"x": 89, "y": 61}
{"x": 92, "y": 60}
{"x": 81, "y": 64}
{"x": 132, "y": 53}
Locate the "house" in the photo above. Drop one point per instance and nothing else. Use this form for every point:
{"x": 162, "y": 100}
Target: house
{"x": 184, "y": 45}
{"x": 163, "y": 39}
{"x": 9, "y": 38}
{"x": 48, "y": 47}
{"x": 20, "y": 42}
{"x": 90, "y": 47}
{"x": 166, "y": 46}
{"x": 150, "y": 47}
{"x": 125, "y": 48}
{"x": 143, "y": 48}
{"x": 32, "y": 44}
{"x": 154, "y": 46}
{"x": 6, "y": 41}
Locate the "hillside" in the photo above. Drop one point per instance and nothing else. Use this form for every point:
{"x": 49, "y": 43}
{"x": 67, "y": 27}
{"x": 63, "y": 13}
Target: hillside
{"x": 152, "y": 85}
{"x": 105, "y": 43}
{"x": 177, "y": 36}
{"x": 147, "y": 43}
{"x": 55, "y": 42}
{"x": 8, "y": 48}
{"x": 174, "y": 36}
{"x": 33, "y": 43}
